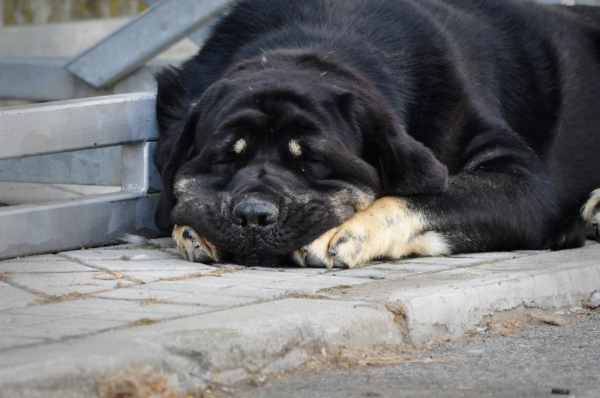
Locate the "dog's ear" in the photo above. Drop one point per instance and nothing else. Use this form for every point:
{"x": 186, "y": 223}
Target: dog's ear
{"x": 406, "y": 166}
{"x": 176, "y": 121}
{"x": 171, "y": 152}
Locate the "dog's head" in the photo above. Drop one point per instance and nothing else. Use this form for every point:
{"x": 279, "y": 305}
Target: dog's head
{"x": 279, "y": 150}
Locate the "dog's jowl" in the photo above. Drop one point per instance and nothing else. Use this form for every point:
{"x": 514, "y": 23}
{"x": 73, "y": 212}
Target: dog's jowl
{"x": 334, "y": 132}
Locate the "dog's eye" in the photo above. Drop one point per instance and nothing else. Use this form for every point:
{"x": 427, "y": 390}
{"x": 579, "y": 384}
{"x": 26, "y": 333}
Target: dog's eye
{"x": 315, "y": 169}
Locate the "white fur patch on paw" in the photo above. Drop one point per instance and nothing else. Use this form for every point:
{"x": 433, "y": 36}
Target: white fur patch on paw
{"x": 591, "y": 212}
{"x": 192, "y": 246}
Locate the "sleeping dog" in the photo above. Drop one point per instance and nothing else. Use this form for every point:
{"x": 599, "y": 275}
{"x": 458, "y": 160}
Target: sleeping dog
{"x": 334, "y": 132}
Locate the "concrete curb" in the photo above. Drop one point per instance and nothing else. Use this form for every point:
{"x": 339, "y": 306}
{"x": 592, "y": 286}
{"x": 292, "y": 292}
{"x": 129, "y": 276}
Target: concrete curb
{"x": 445, "y": 311}
{"x": 267, "y": 331}
{"x": 274, "y": 336}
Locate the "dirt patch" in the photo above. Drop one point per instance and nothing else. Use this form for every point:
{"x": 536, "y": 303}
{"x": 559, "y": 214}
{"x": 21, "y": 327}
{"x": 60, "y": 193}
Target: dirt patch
{"x": 4, "y": 278}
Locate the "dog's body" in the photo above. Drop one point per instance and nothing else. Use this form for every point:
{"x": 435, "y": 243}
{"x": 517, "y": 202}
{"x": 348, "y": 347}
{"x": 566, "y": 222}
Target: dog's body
{"x": 339, "y": 131}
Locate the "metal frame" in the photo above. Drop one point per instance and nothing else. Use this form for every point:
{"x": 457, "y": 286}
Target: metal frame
{"x": 116, "y": 64}
{"x": 43, "y": 79}
{"x": 77, "y": 124}
{"x": 127, "y": 120}
{"x": 144, "y": 37}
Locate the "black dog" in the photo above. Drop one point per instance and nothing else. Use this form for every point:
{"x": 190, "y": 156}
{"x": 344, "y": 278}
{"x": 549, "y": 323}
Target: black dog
{"x": 339, "y": 131}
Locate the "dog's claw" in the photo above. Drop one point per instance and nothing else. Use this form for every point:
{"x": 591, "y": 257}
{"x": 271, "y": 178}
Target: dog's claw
{"x": 299, "y": 257}
{"x": 192, "y": 246}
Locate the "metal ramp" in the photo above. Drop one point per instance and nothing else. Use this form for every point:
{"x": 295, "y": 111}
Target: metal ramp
{"x": 36, "y": 140}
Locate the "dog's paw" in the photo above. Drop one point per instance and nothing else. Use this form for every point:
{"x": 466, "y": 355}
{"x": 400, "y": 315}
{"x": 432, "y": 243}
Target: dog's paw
{"x": 388, "y": 228}
{"x": 192, "y": 246}
{"x": 353, "y": 243}
{"x": 316, "y": 254}
{"x": 591, "y": 213}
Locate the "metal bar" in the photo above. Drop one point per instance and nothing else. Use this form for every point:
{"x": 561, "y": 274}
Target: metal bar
{"x": 139, "y": 173}
{"x": 46, "y": 79}
{"x": 199, "y": 36}
{"x": 77, "y": 124}
{"x": 151, "y": 32}
{"x": 72, "y": 224}
{"x": 100, "y": 166}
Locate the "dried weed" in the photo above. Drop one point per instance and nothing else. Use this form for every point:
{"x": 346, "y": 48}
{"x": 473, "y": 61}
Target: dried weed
{"x": 304, "y": 295}
{"x": 141, "y": 322}
{"x": 59, "y": 299}
{"x": 335, "y": 288}
{"x": 353, "y": 358}
{"x": 137, "y": 383}
{"x": 217, "y": 272}
{"x": 153, "y": 300}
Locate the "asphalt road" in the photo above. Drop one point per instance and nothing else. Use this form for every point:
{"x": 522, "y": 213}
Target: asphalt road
{"x": 530, "y": 362}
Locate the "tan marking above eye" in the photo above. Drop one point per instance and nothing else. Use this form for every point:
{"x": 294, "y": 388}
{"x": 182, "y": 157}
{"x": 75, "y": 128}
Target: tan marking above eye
{"x": 240, "y": 145}
{"x": 295, "y": 148}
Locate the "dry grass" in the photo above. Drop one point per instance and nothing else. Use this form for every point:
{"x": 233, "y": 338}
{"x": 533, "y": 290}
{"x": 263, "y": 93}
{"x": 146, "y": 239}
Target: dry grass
{"x": 383, "y": 355}
{"x": 217, "y": 272}
{"x": 336, "y": 288}
{"x": 153, "y": 300}
{"x": 304, "y": 295}
{"x": 137, "y": 383}
{"x": 59, "y": 299}
{"x": 510, "y": 327}
{"x": 399, "y": 312}
{"x": 142, "y": 322}
{"x": 344, "y": 358}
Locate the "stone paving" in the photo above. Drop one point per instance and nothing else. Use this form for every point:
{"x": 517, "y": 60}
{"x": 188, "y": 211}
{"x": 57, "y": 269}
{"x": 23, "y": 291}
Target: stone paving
{"x": 73, "y": 314}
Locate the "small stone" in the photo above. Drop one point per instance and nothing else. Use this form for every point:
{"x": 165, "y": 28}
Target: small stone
{"x": 594, "y": 301}
{"x": 560, "y": 391}
{"x": 559, "y": 312}
{"x": 551, "y": 320}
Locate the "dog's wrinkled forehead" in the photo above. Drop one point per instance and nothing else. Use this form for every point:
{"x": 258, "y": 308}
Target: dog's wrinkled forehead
{"x": 242, "y": 115}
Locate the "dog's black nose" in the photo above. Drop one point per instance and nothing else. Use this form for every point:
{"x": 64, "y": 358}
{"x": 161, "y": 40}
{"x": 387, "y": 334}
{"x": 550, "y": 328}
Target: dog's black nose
{"x": 255, "y": 213}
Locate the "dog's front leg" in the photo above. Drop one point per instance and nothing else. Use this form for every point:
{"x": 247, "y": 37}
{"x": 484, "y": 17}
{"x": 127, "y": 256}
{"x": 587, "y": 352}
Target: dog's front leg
{"x": 194, "y": 247}
{"x": 388, "y": 228}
